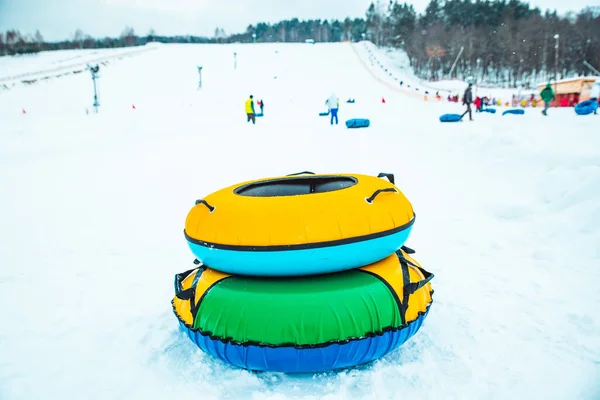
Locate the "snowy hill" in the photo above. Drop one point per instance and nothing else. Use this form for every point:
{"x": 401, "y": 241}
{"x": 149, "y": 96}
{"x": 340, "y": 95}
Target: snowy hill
{"x": 93, "y": 207}
{"x": 393, "y": 66}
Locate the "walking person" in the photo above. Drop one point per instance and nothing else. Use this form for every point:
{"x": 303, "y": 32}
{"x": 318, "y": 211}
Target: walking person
{"x": 595, "y": 94}
{"x": 250, "y": 110}
{"x": 468, "y": 100}
{"x": 547, "y": 95}
{"x": 333, "y": 104}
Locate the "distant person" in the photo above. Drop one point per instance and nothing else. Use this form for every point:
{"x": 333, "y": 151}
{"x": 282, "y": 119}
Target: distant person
{"x": 547, "y": 95}
{"x": 250, "y": 110}
{"x": 478, "y": 104}
{"x": 467, "y": 100}
{"x": 261, "y": 104}
{"x": 595, "y": 94}
{"x": 333, "y": 103}
{"x": 564, "y": 101}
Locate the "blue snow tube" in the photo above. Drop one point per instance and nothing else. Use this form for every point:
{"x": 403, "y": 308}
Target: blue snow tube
{"x": 450, "y": 118}
{"x": 258, "y": 115}
{"x": 358, "y": 123}
{"x": 516, "y": 111}
{"x": 586, "y": 107}
{"x": 349, "y": 353}
{"x": 490, "y": 110}
{"x": 323, "y": 114}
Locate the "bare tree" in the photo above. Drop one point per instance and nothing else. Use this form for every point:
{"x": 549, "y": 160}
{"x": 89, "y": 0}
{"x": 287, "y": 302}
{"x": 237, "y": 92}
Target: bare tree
{"x": 128, "y": 36}
{"x": 78, "y": 38}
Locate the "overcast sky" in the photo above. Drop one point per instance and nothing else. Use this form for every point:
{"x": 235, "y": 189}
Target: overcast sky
{"x": 58, "y": 19}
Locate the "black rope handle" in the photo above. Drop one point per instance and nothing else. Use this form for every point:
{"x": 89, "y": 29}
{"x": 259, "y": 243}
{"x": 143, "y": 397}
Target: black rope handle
{"x": 407, "y": 250}
{"x": 386, "y": 175}
{"x": 301, "y": 173}
{"x": 377, "y": 192}
{"x": 411, "y": 287}
{"x": 189, "y": 294}
{"x": 179, "y": 291}
{"x": 210, "y": 208}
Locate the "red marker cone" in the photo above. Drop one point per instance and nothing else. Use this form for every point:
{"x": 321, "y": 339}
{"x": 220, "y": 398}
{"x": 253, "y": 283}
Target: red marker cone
{"x": 133, "y": 106}
{"x": 23, "y": 110}
{"x": 382, "y": 100}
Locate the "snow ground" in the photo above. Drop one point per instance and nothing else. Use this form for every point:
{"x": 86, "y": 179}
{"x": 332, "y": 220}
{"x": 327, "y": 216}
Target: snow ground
{"x": 93, "y": 208}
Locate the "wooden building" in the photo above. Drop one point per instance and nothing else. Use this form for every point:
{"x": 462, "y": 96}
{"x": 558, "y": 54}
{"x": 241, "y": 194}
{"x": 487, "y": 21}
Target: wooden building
{"x": 569, "y": 92}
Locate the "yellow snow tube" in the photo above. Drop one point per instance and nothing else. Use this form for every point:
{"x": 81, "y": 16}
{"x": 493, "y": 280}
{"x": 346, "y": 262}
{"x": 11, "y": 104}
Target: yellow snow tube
{"x": 300, "y": 224}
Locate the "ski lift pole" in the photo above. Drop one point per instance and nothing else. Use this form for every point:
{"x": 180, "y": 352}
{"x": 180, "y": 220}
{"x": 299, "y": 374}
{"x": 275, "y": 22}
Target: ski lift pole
{"x": 94, "y": 70}
{"x": 95, "y": 94}
{"x": 587, "y": 64}
{"x": 455, "y": 61}
{"x": 199, "y": 76}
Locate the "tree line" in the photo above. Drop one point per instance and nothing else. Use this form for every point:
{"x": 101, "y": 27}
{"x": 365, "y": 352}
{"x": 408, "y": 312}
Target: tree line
{"x": 13, "y": 42}
{"x": 503, "y": 42}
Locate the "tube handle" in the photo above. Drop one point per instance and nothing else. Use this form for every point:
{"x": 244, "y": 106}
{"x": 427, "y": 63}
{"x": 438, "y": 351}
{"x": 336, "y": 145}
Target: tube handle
{"x": 205, "y": 203}
{"x": 378, "y": 192}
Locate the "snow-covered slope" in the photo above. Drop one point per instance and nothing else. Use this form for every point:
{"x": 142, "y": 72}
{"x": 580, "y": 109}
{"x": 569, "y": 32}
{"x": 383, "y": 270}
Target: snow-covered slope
{"x": 31, "y": 68}
{"x": 392, "y": 66}
{"x": 93, "y": 208}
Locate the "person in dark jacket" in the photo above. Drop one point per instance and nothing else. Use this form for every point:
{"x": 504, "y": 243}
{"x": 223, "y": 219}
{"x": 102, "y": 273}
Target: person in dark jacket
{"x": 468, "y": 99}
{"x": 261, "y": 104}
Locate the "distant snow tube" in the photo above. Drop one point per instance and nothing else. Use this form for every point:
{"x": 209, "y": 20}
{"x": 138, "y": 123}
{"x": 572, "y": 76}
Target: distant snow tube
{"x": 304, "y": 324}
{"x": 586, "y": 107}
{"x": 516, "y": 111}
{"x": 350, "y": 101}
{"x": 489, "y": 110}
{"x": 324, "y": 114}
{"x": 358, "y": 123}
{"x": 450, "y": 118}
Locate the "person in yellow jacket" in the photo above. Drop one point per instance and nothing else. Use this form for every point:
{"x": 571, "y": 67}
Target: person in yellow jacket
{"x": 250, "y": 109}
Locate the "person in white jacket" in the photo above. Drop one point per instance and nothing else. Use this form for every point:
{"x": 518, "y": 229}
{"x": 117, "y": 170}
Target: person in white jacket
{"x": 595, "y": 93}
{"x": 333, "y": 103}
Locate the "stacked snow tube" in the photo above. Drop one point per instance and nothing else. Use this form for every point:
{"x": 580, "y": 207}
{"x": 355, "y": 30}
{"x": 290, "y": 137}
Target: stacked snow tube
{"x": 300, "y": 224}
{"x": 302, "y": 273}
{"x": 489, "y": 110}
{"x": 586, "y": 107}
{"x": 358, "y": 123}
